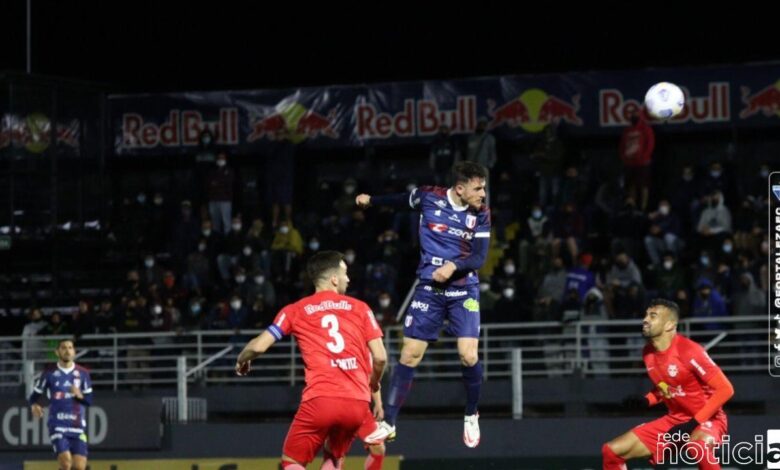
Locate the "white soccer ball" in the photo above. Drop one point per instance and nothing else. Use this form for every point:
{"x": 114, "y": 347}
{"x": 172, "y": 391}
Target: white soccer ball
{"x": 664, "y": 100}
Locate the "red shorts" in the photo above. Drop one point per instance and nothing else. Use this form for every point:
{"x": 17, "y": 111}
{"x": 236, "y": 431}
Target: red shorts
{"x": 336, "y": 419}
{"x": 651, "y": 433}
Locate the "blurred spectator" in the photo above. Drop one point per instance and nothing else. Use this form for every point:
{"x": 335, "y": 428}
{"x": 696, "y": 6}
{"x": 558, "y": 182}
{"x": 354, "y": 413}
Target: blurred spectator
{"x": 714, "y": 221}
{"x": 227, "y": 260}
{"x": 356, "y": 271}
{"x": 286, "y": 249}
{"x": 344, "y": 205}
{"x": 550, "y": 293}
{"x": 548, "y": 158}
{"x": 159, "y": 226}
{"x": 263, "y": 289}
{"x": 56, "y": 326}
{"x": 35, "y": 349}
{"x": 151, "y": 273}
{"x": 664, "y": 232}
{"x": 385, "y": 311}
{"x": 574, "y": 188}
{"x": 579, "y": 278}
{"x": 280, "y": 181}
{"x": 569, "y": 230}
{"x": 83, "y": 321}
{"x": 198, "y": 277}
{"x": 219, "y": 188}
{"x": 481, "y": 146}
{"x": 444, "y": 153}
{"x": 628, "y": 228}
{"x": 105, "y": 318}
{"x": 535, "y": 236}
{"x": 185, "y": 234}
{"x": 487, "y": 300}
{"x": 715, "y": 181}
{"x": 669, "y": 277}
{"x": 507, "y": 309}
{"x": 708, "y": 304}
{"x": 380, "y": 277}
{"x": 636, "y": 152}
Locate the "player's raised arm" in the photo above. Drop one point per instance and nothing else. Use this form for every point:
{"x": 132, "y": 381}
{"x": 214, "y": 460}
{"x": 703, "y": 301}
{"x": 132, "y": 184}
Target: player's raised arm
{"x": 410, "y": 199}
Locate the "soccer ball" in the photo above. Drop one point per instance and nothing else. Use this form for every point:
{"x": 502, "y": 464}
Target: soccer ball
{"x": 664, "y": 100}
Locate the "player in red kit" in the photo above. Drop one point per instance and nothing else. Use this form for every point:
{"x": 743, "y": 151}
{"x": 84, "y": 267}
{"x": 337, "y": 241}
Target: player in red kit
{"x": 692, "y": 387}
{"x": 341, "y": 346}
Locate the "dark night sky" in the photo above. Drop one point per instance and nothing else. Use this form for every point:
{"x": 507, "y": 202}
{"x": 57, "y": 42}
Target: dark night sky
{"x": 154, "y": 46}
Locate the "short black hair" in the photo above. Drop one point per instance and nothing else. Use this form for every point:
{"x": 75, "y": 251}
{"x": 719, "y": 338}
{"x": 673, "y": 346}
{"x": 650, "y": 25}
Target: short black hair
{"x": 322, "y": 262}
{"x": 463, "y": 172}
{"x": 66, "y": 340}
{"x": 673, "y": 308}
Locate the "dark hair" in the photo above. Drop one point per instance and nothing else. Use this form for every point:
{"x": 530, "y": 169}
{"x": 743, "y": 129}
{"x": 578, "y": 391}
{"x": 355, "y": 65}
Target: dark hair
{"x": 463, "y": 172}
{"x": 321, "y": 263}
{"x": 673, "y": 308}
{"x": 63, "y": 340}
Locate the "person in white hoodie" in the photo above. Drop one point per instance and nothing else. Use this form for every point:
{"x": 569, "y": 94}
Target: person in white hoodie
{"x": 715, "y": 220}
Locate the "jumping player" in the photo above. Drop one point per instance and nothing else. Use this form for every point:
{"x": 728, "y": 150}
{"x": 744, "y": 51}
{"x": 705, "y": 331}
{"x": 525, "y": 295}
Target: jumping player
{"x": 454, "y": 239}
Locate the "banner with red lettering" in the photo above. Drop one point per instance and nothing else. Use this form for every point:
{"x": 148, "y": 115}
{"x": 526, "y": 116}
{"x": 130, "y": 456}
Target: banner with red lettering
{"x": 514, "y": 107}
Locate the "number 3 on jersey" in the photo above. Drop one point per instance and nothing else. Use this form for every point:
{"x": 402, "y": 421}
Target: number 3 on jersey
{"x": 332, "y": 323}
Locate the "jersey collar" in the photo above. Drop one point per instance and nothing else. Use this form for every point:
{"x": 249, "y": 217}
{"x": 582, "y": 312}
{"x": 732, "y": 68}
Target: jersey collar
{"x": 455, "y": 207}
{"x": 68, "y": 370}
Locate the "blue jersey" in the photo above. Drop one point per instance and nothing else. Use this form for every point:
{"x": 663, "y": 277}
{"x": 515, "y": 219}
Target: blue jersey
{"x": 449, "y": 233}
{"x": 67, "y": 415}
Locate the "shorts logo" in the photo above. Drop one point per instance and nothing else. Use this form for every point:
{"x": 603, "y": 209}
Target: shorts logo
{"x": 408, "y": 321}
{"x": 471, "y": 221}
{"x": 471, "y": 305}
{"x": 672, "y": 370}
{"x": 421, "y": 306}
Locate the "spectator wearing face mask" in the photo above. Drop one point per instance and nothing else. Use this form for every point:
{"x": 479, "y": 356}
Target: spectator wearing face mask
{"x": 487, "y": 300}
{"x": 356, "y": 271}
{"x": 232, "y": 249}
{"x": 506, "y": 276}
{"x": 507, "y": 309}
{"x": 385, "y": 310}
{"x": 669, "y": 277}
{"x": 185, "y": 233}
{"x": 286, "y": 250}
{"x": 664, "y": 232}
{"x": 708, "y": 303}
{"x": 194, "y": 316}
{"x": 550, "y": 293}
{"x": 219, "y": 189}
{"x": 198, "y": 270}
{"x": 685, "y": 199}
{"x": 344, "y": 204}
{"x": 151, "y": 273}
{"x": 535, "y": 237}
{"x": 714, "y": 221}
{"x": 261, "y": 288}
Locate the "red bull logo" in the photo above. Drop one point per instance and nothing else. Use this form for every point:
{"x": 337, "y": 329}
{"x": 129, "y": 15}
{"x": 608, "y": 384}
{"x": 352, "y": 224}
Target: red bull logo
{"x": 295, "y": 123}
{"x": 616, "y": 110}
{"x": 421, "y": 118}
{"x": 533, "y": 110}
{"x": 33, "y": 132}
{"x": 183, "y": 127}
{"x": 765, "y": 101}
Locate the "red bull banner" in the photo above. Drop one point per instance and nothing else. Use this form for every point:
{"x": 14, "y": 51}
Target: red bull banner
{"x": 33, "y": 132}
{"x": 514, "y": 107}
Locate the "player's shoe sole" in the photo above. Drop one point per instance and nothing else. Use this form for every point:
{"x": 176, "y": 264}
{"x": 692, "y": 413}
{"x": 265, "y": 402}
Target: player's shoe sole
{"x": 471, "y": 434}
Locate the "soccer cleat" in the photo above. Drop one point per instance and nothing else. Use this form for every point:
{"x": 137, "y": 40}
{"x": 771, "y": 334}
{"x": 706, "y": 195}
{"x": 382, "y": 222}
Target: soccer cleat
{"x": 383, "y": 432}
{"x": 471, "y": 430}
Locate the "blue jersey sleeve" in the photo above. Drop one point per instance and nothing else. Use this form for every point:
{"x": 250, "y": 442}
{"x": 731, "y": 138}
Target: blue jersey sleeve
{"x": 412, "y": 199}
{"x": 479, "y": 244}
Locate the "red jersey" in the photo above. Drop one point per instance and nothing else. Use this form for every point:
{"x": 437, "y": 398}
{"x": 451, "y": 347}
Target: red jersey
{"x": 680, "y": 375}
{"x": 332, "y": 331}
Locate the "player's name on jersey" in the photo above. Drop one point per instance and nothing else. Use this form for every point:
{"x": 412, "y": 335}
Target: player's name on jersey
{"x": 326, "y": 306}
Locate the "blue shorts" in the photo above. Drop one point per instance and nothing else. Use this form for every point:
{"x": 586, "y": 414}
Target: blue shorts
{"x": 432, "y": 305}
{"x": 72, "y": 443}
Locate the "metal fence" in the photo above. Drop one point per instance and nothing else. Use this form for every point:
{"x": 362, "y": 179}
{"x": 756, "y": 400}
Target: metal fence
{"x": 588, "y": 348}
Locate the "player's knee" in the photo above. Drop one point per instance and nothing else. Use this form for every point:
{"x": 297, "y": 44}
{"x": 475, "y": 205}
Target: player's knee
{"x": 608, "y": 451}
{"x": 469, "y": 358}
{"x": 410, "y": 358}
{"x": 377, "y": 449}
{"x": 65, "y": 464}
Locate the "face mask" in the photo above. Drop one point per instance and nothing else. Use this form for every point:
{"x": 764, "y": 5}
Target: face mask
{"x": 158, "y": 201}
{"x": 350, "y": 258}
{"x": 284, "y": 229}
{"x": 157, "y": 309}
{"x": 236, "y": 227}
{"x": 509, "y": 269}
{"x": 668, "y": 264}
{"x": 664, "y": 210}
{"x": 240, "y": 279}
{"x": 764, "y": 173}
{"x": 509, "y": 292}
{"x": 484, "y": 287}
{"x": 704, "y": 260}
{"x": 727, "y": 247}
{"x": 149, "y": 262}
{"x": 141, "y": 198}
{"x": 715, "y": 174}
{"x": 247, "y": 250}
{"x": 384, "y": 303}
{"x": 536, "y": 214}
{"x": 195, "y": 308}
{"x": 206, "y": 232}
{"x": 259, "y": 279}
{"x": 349, "y": 189}
{"x": 235, "y": 304}
{"x": 221, "y": 163}
{"x": 202, "y": 247}
{"x": 687, "y": 177}
{"x": 314, "y": 246}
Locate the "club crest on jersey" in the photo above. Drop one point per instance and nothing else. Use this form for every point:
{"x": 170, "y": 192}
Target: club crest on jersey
{"x": 672, "y": 370}
{"x": 471, "y": 221}
{"x": 408, "y": 321}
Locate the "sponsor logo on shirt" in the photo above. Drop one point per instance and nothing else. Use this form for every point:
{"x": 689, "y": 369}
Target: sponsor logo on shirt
{"x": 698, "y": 367}
{"x": 455, "y": 293}
{"x": 460, "y": 233}
{"x": 438, "y": 228}
{"x": 471, "y": 305}
{"x": 421, "y": 306}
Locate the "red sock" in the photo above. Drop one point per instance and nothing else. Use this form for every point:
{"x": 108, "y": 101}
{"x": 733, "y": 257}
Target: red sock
{"x": 708, "y": 461}
{"x": 374, "y": 462}
{"x": 610, "y": 460}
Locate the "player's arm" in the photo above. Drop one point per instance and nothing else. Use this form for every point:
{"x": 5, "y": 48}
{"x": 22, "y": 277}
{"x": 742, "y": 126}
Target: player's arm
{"x": 378, "y": 361}
{"x": 254, "y": 349}
{"x": 376, "y": 406}
{"x": 409, "y": 199}
{"x": 705, "y": 369}
{"x": 648, "y": 400}
{"x": 38, "y": 388}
